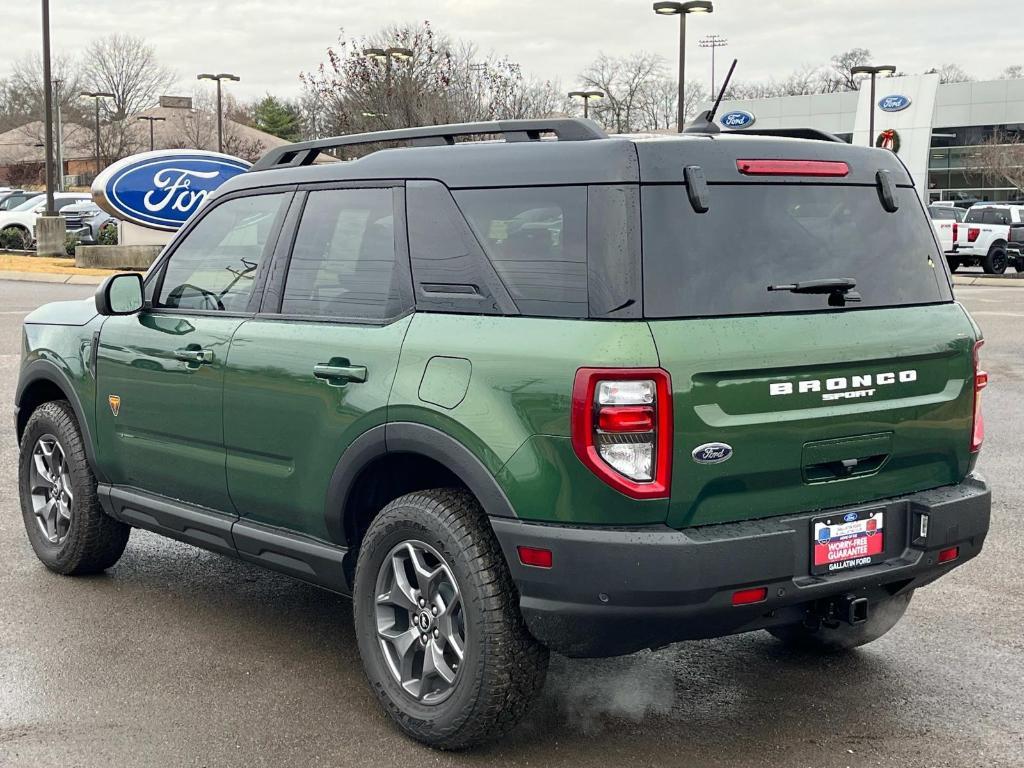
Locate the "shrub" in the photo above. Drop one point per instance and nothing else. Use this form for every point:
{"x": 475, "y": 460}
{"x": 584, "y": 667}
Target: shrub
{"x": 14, "y": 239}
{"x": 70, "y": 243}
{"x": 108, "y": 234}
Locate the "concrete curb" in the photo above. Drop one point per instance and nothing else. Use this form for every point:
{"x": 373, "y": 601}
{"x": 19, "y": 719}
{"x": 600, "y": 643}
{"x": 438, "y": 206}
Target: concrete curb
{"x": 1002, "y": 282}
{"x": 51, "y": 277}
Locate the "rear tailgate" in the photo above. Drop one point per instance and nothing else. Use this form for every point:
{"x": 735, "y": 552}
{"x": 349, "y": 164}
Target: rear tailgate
{"x": 823, "y": 400}
{"x": 888, "y": 389}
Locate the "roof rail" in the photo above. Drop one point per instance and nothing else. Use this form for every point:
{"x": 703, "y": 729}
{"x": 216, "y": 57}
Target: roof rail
{"x": 306, "y": 152}
{"x": 791, "y": 133}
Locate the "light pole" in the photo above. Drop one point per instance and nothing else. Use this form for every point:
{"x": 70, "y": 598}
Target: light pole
{"x": 96, "y": 96}
{"x": 220, "y": 104}
{"x": 712, "y": 42}
{"x": 151, "y": 120}
{"x": 865, "y": 69}
{"x": 586, "y": 96}
{"x": 48, "y": 107}
{"x": 682, "y": 10}
{"x": 386, "y": 56}
{"x": 59, "y": 148}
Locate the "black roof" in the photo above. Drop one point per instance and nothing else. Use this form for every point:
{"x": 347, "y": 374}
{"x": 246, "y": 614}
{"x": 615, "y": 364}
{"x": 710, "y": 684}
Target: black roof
{"x": 555, "y": 152}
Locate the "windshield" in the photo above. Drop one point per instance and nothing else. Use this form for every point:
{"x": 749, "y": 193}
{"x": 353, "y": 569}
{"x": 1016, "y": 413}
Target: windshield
{"x": 757, "y": 235}
{"x": 28, "y": 205}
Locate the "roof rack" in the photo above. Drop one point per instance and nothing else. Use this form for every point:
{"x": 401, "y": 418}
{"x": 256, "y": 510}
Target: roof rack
{"x": 306, "y": 153}
{"x": 791, "y": 133}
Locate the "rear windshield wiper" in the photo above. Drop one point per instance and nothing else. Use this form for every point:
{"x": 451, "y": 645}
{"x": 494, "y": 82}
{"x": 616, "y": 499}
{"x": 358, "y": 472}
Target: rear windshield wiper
{"x": 839, "y": 289}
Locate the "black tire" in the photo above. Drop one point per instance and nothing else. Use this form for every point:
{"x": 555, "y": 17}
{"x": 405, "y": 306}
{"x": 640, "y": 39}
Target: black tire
{"x": 503, "y": 666}
{"x": 996, "y": 261}
{"x": 88, "y": 541}
{"x": 883, "y": 616}
{"x": 954, "y": 263}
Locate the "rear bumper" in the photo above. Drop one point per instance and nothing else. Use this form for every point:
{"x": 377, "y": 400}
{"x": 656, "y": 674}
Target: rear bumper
{"x": 612, "y": 592}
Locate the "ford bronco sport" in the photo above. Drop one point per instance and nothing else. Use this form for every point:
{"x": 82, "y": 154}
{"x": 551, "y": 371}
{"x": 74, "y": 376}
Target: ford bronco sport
{"x": 558, "y": 391}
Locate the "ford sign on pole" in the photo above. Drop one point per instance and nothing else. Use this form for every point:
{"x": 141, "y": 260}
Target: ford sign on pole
{"x": 737, "y": 119}
{"x": 894, "y": 103}
{"x": 161, "y": 189}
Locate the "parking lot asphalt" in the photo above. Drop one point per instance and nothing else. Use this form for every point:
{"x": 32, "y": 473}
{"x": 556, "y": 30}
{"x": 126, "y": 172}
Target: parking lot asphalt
{"x": 178, "y": 657}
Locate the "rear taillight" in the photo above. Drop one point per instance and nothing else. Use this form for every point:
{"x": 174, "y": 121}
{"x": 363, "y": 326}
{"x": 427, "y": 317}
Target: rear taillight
{"x": 972, "y": 233}
{"x": 622, "y": 428}
{"x": 955, "y": 231}
{"x": 792, "y": 167}
{"x": 980, "y": 382}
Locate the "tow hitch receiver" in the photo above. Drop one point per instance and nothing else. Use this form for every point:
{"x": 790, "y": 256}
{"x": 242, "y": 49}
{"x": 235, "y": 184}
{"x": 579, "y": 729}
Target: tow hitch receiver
{"x": 831, "y": 613}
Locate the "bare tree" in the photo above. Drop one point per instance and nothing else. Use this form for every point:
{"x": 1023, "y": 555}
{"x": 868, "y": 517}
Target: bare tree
{"x": 839, "y": 75}
{"x": 127, "y": 67}
{"x": 1000, "y": 159}
{"x": 26, "y": 84}
{"x": 950, "y": 73}
{"x": 1012, "y": 72}
{"x": 625, "y": 82}
{"x": 196, "y": 128}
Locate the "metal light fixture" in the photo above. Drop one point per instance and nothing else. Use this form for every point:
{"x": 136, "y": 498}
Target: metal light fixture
{"x": 220, "y": 108}
{"x": 586, "y": 96}
{"x": 151, "y": 120}
{"x": 682, "y": 10}
{"x": 873, "y": 71}
{"x": 96, "y": 96}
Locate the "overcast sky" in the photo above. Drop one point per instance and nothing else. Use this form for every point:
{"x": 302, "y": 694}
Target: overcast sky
{"x": 268, "y": 42}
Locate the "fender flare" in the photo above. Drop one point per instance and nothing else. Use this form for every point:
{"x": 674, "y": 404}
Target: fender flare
{"x": 409, "y": 437}
{"x": 45, "y": 370}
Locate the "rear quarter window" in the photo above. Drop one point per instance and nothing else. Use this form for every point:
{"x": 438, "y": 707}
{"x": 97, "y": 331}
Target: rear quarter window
{"x": 536, "y": 239}
{"x": 721, "y": 262}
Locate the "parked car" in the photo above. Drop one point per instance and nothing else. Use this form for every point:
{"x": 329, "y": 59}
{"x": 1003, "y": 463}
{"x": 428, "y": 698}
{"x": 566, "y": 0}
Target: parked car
{"x": 11, "y": 199}
{"x": 988, "y": 232}
{"x": 496, "y": 392}
{"x": 22, "y": 219}
{"x": 85, "y": 220}
{"x": 944, "y": 222}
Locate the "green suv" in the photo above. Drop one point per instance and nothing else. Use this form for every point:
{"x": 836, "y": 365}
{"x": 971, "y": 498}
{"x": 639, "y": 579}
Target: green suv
{"x": 549, "y": 390}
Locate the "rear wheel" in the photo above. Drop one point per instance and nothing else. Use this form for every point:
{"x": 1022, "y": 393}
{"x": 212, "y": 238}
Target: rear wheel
{"x": 996, "y": 261}
{"x": 883, "y": 615}
{"x": 440, "y": 635}
{"x": 68, "y": 530}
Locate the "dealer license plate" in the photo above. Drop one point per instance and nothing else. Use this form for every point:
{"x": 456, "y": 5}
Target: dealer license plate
{"x": 847, "y": 540}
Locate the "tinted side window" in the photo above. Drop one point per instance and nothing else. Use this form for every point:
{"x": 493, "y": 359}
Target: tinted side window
{"x": 536, "y": 238}
{"x": 975, "y": 215}
{"x": 998, "y": 216}
{"x": 215, "y": 266}
{"x": 449, "y": 268}
{"x": 343, "y": 263}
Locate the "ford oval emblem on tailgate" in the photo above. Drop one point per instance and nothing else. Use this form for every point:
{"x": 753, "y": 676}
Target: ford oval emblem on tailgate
{"x": 712, "y": 453}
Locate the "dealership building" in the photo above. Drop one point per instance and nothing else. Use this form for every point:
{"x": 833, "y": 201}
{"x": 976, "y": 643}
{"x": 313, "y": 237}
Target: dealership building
{"x": 933, "y": 127}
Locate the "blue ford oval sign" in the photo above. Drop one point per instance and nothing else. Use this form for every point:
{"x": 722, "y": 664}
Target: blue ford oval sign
{"x": 712, "y": 453}
{"x": 894, "y": 103}
{"x": 738, "y": 118}
{"x": 162, "y": 189}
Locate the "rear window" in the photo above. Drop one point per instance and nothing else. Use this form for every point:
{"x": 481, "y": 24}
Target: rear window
{"x": 721, "y": 262}
{"x": 944, "y": 214}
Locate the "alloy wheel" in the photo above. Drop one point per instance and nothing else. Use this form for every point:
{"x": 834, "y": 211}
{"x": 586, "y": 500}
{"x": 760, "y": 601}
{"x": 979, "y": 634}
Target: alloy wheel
{"x": 421, "y": 626}
{"x": 50, "y": 488}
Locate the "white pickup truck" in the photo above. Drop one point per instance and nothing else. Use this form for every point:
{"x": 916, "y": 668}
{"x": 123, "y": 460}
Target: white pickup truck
{"x": 987, "y": 233}
{"x": 947, "y": 228}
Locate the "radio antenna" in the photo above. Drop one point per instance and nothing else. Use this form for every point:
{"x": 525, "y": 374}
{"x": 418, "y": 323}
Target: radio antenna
{"x": 705, "y": 122}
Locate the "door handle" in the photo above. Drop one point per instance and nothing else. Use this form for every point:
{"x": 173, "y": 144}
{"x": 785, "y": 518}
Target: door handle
{"x": 197, "y": 356}
{"x": 340, "y": 373}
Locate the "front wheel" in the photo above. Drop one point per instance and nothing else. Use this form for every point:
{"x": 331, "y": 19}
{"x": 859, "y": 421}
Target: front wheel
{"x": 883, "y": 616}
{"x": 437, "y": 620}
{"x": 66, "y": 526}
{"x": 996, "y": 261}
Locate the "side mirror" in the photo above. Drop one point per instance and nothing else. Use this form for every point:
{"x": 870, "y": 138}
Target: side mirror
{"x": 120, "y": 295}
